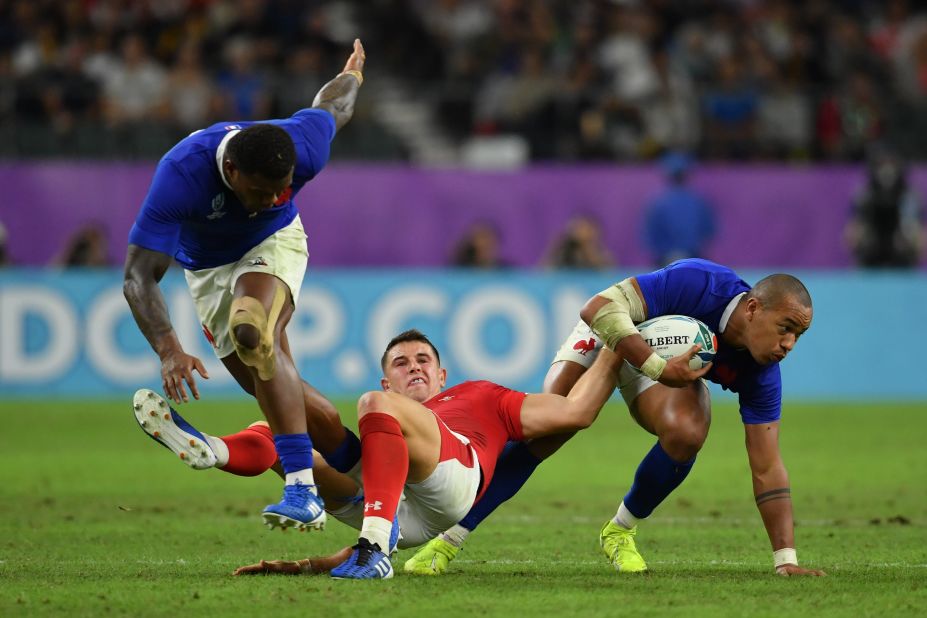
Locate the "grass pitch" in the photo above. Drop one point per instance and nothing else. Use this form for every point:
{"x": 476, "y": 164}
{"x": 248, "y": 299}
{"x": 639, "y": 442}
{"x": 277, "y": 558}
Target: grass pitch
{"x": 97, "y": 520}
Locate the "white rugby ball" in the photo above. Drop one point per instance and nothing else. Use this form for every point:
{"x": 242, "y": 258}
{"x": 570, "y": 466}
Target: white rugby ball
{"x": 672, "y": 335}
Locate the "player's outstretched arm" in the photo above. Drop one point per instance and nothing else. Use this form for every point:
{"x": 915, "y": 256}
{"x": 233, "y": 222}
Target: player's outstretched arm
{"x": 547, "y": 414}
{"x": 144, "y": 269}
{"x": 307, "y": 566}
{"x": 337, "y": 96}
{"x": 773, "y": 496}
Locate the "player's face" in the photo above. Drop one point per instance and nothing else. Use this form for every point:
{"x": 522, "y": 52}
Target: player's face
{"x": 257, "y": 192}
{"x": 772, "y": 332}
{"x": 412, "y": 370}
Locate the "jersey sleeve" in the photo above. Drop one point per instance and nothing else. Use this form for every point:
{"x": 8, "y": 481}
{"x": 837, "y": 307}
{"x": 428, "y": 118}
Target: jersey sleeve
{"x": 762, "y": 401}
{"x": 315, "y": 129}
{"x": 666, "y": 290}
{"x": 508, "y": 404}
{"x": 157, "y": 226}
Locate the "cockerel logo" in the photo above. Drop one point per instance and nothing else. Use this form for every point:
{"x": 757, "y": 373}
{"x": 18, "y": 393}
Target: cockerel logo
{"x": 585, "y": 346}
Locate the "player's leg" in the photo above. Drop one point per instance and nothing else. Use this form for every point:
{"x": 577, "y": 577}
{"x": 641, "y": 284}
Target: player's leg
{"x": 680, "y": 418}
{"x": 260, "y": 310}
{"x": 519, "y": 459}
{"x": 400, "y": 443}
{"x": 338, "y": 444}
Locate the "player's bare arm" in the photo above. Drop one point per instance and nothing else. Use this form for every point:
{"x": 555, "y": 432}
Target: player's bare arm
{"x": 772, "y": 492}
{"x": 337, "y": 96}
{"x": 612, "y": 314}
{"x": 547, "y": 414}
{"x": 144, "y": 269}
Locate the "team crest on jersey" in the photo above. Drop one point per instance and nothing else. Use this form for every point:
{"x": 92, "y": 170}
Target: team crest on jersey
{"x": 218, "y": 206}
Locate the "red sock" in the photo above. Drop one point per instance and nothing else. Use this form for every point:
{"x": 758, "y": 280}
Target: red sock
{"x": 251, "y": 451}
{"x": 385, "y": 458}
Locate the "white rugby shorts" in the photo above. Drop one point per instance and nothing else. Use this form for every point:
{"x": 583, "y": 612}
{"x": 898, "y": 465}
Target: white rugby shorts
{"x": 283, "y": 254}
{"x": 440, "y": 501}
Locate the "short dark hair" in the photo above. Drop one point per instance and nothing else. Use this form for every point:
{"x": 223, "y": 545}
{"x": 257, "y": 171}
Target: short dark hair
{"x": 413, "y": 334}
{"x": 263, "y": 149}
{"x": 772, "y": 290}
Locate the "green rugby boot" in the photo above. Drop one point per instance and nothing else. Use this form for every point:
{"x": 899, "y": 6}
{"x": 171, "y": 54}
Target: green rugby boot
{"x": 618, "y": 545}
{"x": 432, "y": 559}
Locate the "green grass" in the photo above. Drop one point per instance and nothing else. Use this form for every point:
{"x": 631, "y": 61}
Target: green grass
{"x": 97, "y": 520}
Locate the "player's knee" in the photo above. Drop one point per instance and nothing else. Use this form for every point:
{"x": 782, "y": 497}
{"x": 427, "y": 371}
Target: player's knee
{"x": 684, "y": 441}
{"x": 374, "y": 401}
{"x": 247, "y": 336}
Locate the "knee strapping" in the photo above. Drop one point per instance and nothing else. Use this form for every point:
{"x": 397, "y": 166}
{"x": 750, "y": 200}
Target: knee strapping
{"x": 250, "y": 311}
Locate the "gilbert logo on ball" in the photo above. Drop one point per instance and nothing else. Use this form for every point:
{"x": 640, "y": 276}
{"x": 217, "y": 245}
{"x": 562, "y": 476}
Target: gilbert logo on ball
{"x": 672, "y": 335}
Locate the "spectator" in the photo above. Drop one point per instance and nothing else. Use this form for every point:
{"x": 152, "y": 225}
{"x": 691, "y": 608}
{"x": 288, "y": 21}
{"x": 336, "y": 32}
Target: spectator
{"x": 4, "y": 248}
{"x": 478, "y": 248}
{"x": 886, "y": 227}
{"x": 86, "y": 248}
{"x": 679, "y": 223}
{"x": 190, "y": 101}
{"x": 580, "y": 246}
{"x": 136, "y": 87}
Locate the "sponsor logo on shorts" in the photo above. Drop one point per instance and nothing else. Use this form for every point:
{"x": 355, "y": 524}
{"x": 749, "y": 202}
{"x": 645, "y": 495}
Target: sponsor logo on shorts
{"x": 258, "y": 261}
{"x": 585, "y": 346}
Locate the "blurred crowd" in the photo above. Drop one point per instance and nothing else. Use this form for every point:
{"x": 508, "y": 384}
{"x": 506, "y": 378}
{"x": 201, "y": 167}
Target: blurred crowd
{"x": 596, "y": 79}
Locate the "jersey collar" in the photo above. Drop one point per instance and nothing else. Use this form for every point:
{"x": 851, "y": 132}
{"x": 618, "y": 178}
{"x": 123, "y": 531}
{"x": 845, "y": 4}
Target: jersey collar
{"x": 220, "y": 155}
{"x": 728, "y": 311}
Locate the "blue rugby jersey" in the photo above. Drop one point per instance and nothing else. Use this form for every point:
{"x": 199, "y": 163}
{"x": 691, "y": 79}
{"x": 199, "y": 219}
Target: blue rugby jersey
{"x": 190, "y": 213}
{"x": 703, "y": 290}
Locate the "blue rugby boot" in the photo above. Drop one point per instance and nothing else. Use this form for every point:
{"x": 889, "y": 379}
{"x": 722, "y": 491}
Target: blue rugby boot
{"x": 394, "y": 536}
{"x": 301, "y": 508}
{"x": 166, "y": 427}
{"x": 367, "y": 561}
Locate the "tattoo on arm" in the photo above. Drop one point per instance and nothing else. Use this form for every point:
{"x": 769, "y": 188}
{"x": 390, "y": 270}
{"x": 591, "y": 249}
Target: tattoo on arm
{"x": 776, "y": 494}
{"x": 337, "y": 98}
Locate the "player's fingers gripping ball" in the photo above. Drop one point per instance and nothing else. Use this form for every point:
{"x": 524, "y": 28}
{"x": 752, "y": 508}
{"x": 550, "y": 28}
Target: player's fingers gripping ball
{"x": 674, "y": 335}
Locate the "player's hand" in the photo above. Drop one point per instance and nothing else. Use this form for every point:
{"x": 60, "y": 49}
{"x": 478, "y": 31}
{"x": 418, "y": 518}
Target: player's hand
{"x": 792, "y": 570}
{"x": 356, "y": 60}
{"x": 271, "y": 567}
{"x": 177, "y": 367}
{"x": 677, "y": 372}
{"x": 309, "y": 566}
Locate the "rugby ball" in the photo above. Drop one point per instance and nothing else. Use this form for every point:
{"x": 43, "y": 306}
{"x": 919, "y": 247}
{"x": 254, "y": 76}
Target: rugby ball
{"x": 672, "y": 335}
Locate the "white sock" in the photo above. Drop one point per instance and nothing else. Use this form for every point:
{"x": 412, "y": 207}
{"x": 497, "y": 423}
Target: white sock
{"x": 456, "y": 535}
{"x": 624, "y": 518}
{"x": 376, "y": 530}
{"x": 303, "y": 477}
{"x": 220, "y": 448}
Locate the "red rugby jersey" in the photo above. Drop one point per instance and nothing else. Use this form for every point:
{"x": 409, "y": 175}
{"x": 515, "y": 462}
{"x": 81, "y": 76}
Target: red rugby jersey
{"x": 487, "y": 414}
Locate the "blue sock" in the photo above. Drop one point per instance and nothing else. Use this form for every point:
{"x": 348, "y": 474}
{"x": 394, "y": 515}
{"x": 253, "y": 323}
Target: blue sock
{"x": 656, "y": 478}
{"x": 294, "y": 451}
{"x": 515, "y": 465}
{"x": 347, "y": 454}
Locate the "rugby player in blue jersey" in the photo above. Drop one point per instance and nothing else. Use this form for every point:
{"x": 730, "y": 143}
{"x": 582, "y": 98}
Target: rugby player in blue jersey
{"x": 221, "y": 205}
{"x": 756, "y": 327}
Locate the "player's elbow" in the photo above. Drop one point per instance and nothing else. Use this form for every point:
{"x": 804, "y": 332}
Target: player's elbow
{"x": 592, "y": 306}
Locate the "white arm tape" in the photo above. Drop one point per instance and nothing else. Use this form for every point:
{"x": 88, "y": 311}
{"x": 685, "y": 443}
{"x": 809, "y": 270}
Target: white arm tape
{"x": 786, "y": 555}
{"x": 615, "y": 320}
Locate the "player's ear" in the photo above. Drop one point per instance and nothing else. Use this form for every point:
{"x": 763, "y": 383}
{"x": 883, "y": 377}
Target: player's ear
{"x": 231, "y": 170}
{"x": 384, "y": 384}
{"x": 442, "y": 376}
{"x": 751, "y": 307}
